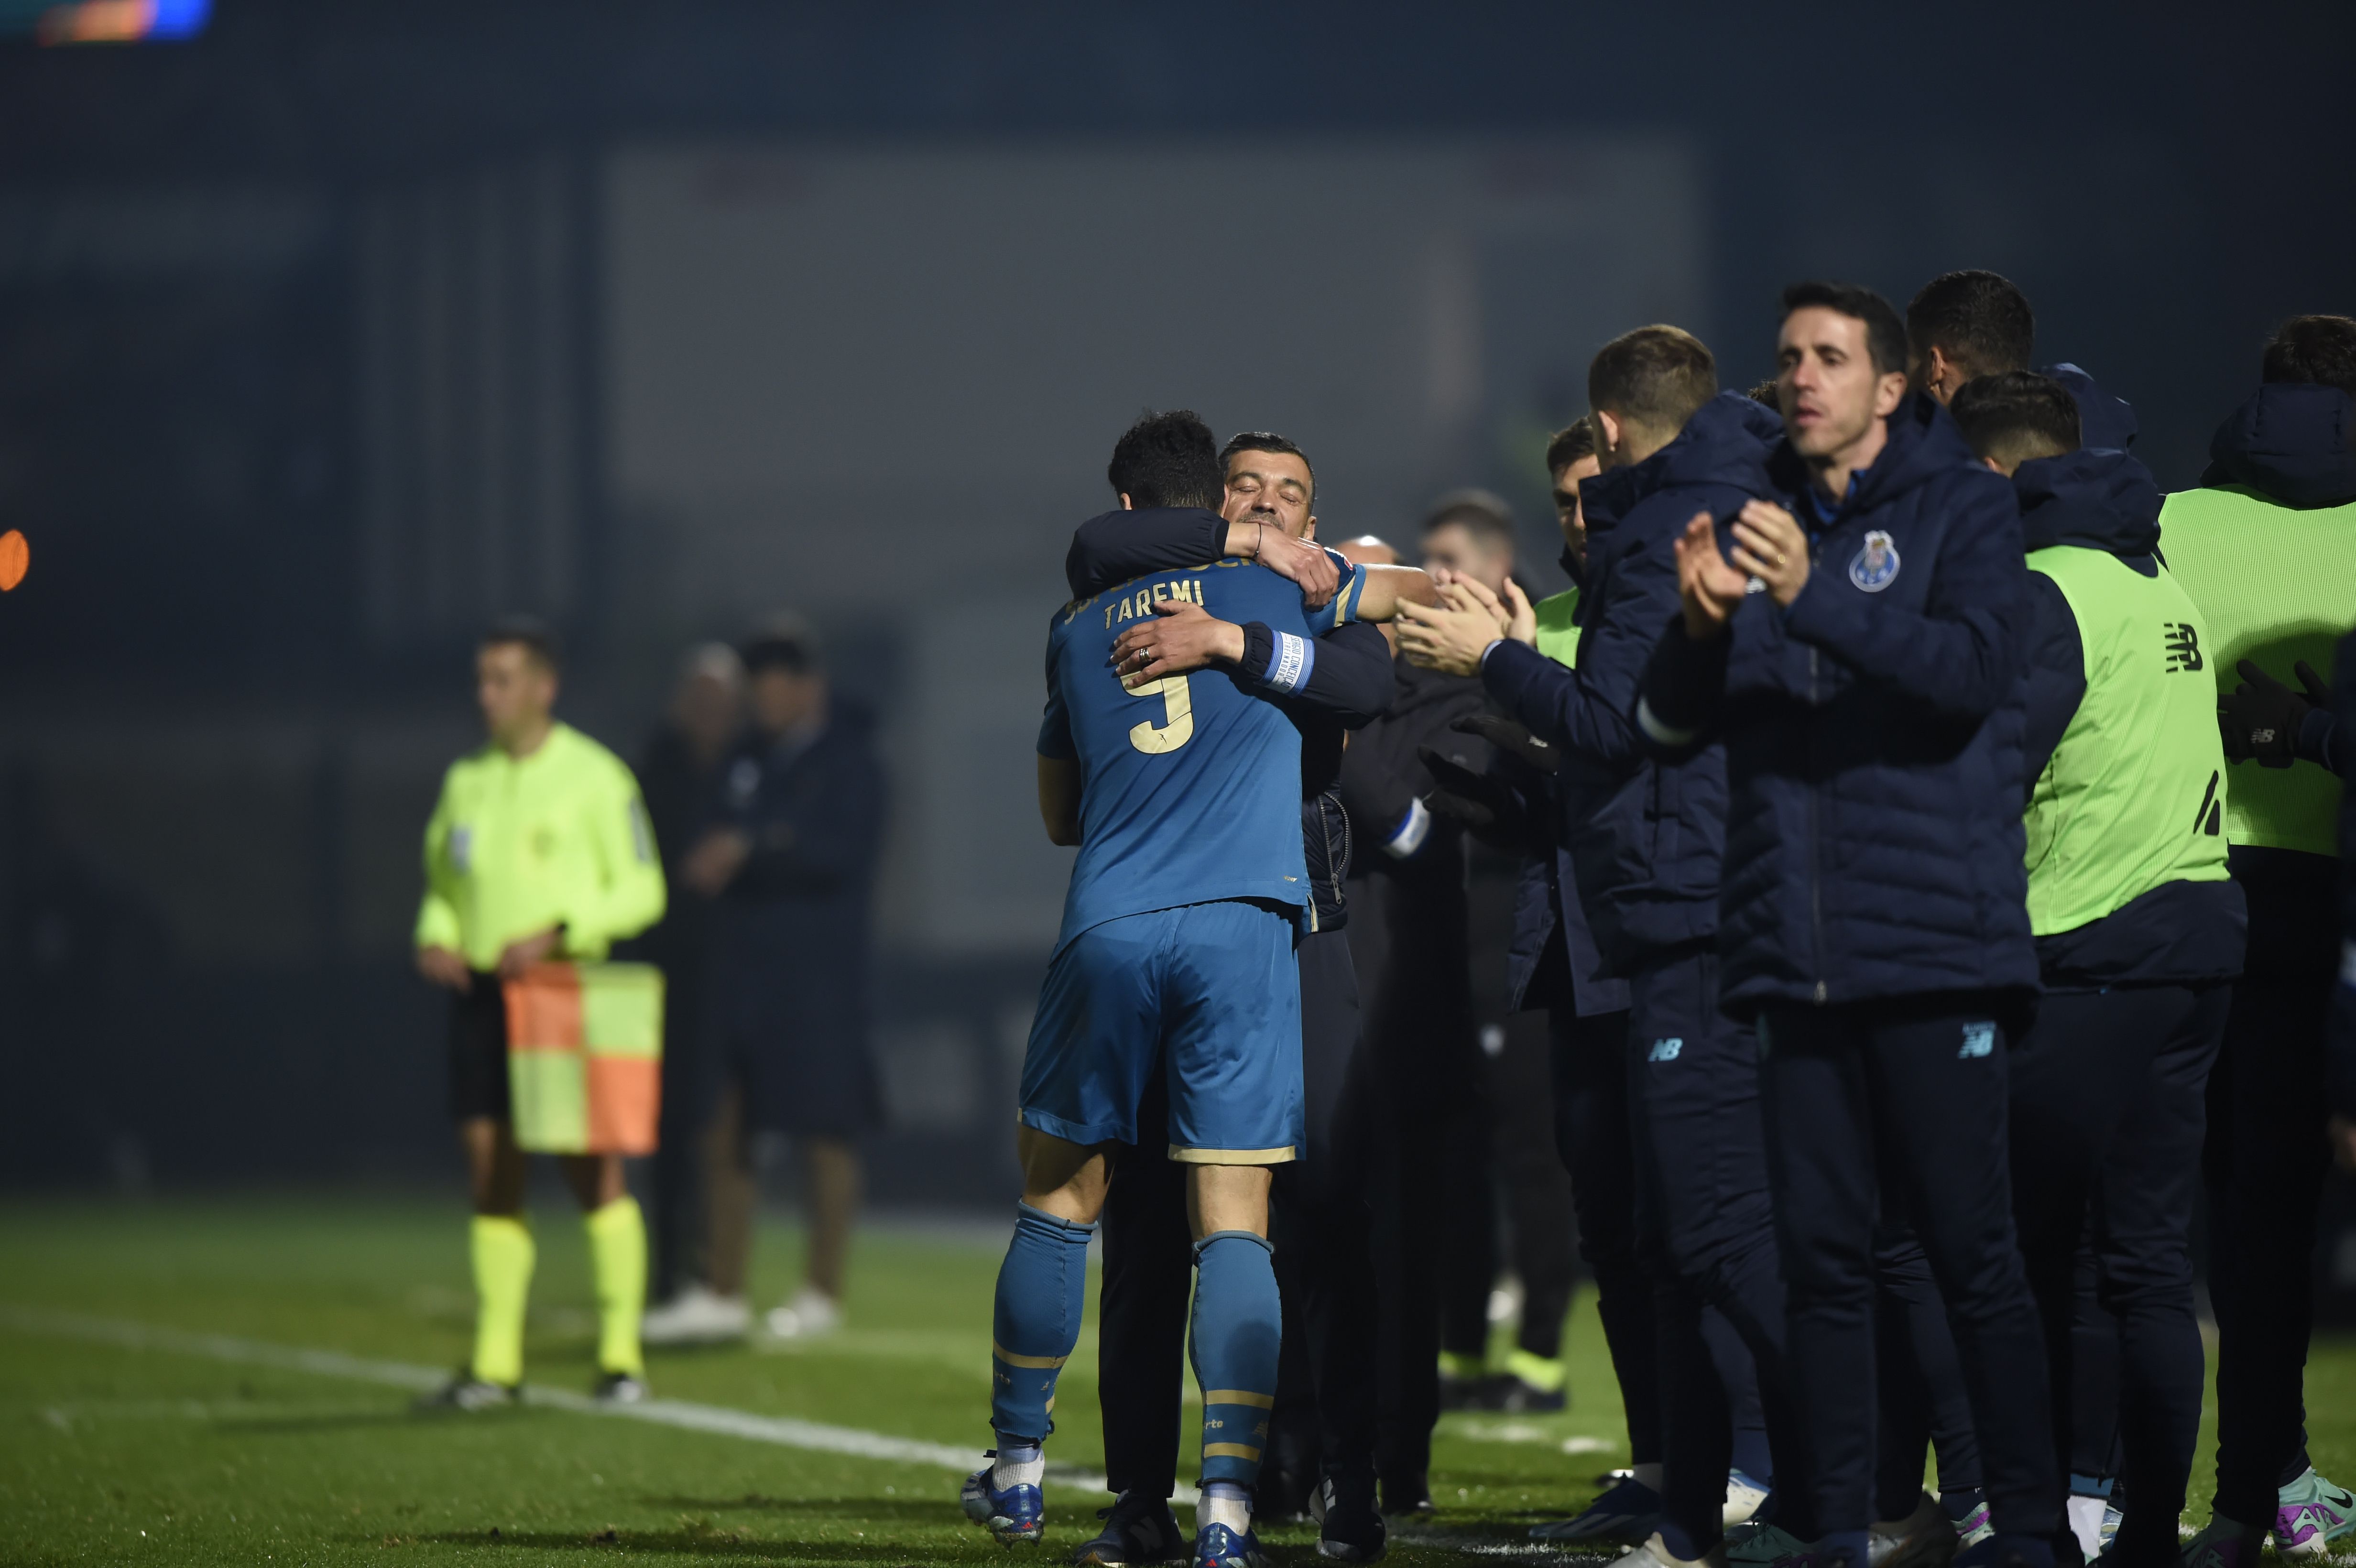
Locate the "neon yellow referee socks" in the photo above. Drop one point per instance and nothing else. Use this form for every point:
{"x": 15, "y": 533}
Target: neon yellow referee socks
{"x": 503, "y": 1256}
{"x": 618, "y": 1262}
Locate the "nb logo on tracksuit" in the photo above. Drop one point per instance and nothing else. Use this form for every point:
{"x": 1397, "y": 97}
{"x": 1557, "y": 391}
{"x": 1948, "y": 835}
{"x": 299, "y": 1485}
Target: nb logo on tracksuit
{"x": 1979, "y": 1040}
{"x": 2181, "y": 640}
{"x": 1665, "y": 1050}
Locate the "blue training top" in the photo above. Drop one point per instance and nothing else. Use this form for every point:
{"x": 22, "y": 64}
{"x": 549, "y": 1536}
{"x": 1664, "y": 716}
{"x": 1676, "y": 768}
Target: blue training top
{"x": 1191, "y": 784}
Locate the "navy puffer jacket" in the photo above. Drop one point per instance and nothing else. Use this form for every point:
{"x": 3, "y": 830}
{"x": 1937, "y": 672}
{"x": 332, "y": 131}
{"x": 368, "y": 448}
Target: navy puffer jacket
{"x": 1873, "y": 738}
{"x": 1645, "y": 837}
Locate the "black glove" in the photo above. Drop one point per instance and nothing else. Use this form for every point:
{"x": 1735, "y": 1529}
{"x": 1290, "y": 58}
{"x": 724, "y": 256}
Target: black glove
{"x": 1508, "y": 736}
{"x": 1486, "y": 807}
{"x": 2261, "y": 720}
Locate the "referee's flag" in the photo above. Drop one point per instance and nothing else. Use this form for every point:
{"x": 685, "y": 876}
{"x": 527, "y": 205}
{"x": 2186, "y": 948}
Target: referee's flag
{"x": 585, "y": 1057}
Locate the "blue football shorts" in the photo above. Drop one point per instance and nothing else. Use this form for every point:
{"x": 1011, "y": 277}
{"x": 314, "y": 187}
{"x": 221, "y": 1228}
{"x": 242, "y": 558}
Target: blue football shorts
{"x": 1206, "y": 994}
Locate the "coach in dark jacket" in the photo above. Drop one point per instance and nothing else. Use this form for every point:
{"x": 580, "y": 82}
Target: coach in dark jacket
{"x": 1646, "y": 837}
{"x": 1873, "y": 917}
{"x": 791, "y": 852}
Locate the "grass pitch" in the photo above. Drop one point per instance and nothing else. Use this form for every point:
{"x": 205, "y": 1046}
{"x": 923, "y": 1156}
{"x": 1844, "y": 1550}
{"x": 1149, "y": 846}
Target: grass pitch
{"x": 113, "y": 1454}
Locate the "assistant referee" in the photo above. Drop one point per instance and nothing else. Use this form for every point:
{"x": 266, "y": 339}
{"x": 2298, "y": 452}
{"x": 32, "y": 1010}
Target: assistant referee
{"x": 538, "y": 849}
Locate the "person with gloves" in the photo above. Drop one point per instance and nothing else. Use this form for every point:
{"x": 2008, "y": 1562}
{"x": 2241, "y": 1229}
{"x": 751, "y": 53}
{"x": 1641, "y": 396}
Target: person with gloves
{"x": 2266, "y": 548}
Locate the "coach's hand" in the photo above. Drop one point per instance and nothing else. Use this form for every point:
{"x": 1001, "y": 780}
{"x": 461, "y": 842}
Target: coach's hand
{"x": 2262, "y": 717}
{"x": 1708, "y": 588}
{"x": 442, "y": 967}
{"x": 1770, "y": 544}
{"x": 1451, "y": 636}
{"x": 713, "y": 863}
{"x": 1507, "y": 735}
{"x": 1297, "y": 560}
{"x": 1181, "y": 637}
{"x": 1489, "y": 807}
{"x": 526, "y": 951}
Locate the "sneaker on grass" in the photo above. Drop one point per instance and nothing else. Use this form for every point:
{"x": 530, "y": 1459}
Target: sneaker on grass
{"x": 809, "y": 1315}
{"x": 697, "y": 1316}
{"x": 1138, "y": 1529}
{"x": 1629, "y": 1511}
{"x": 465, "y": 1390}
{"x": 2310, "y": 1514}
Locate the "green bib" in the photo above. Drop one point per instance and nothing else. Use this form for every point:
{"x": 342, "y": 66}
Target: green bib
{"x": 2132, "y": 797}
{"x": 2274, "y": 584}
{"x": 1558, "y": 636}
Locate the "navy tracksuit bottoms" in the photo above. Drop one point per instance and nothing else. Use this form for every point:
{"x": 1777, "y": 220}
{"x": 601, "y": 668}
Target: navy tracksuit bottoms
{"x": 1906, "y": 1096}
{"x": 2107, "y": 1115}
{"x": 1704, "y": 1223}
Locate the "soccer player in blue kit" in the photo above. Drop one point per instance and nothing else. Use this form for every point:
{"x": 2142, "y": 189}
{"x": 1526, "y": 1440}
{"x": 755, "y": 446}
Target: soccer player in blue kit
{"x": 1175, "y": 956}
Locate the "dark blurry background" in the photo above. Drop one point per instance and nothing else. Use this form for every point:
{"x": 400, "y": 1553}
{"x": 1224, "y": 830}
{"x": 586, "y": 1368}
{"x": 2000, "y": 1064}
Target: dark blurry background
{"x": 330, "y": 332}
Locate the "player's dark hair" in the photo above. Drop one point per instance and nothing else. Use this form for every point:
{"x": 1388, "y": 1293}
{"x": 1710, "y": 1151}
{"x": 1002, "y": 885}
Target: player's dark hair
{"x": 1976, "y": 318}
{"x": 1483, "y": 514}
{"x": 1654, "y": 377}
{"x": 530, "y": 633}
{"x": 1168, "y": 459}
{"x": 1885, "y": 334}
{"x": 2017, "y": 415}
{"x": 2317, "y": 348}
{"x": 1264, "y": 441}
{"x": 1570, "y": 443}
{"x": 1769, "y": 393}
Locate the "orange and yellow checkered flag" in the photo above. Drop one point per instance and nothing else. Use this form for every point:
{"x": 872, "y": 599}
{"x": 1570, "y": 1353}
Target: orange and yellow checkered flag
{"x": 585, "y": 1057}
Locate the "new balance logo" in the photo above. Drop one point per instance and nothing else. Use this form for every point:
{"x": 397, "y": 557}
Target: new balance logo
{"x": 2183, "y": 643}
{"x": 1665, "y": 1050}
{"x": 1979, "y": 1040}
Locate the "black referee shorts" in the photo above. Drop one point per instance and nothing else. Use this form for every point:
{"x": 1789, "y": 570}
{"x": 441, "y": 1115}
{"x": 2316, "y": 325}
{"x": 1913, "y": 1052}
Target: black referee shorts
{"x": 478, "y": 1052}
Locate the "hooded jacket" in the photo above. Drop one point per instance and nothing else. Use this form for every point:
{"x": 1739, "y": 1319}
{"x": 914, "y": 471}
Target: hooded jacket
{"x": 1646, "y": 836}
{"x": 1543, "y": 969}
{"x": 2179, "y": 931}
{"x": 1873, "y": 737}
{"x": 2290, "y": 448}
{"x": 2291, "y": 443}
{"x": 2104, "y": 421}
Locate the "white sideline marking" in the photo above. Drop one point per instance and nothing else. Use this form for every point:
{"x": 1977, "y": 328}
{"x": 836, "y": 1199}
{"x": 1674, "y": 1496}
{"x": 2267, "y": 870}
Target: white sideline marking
{"x": 784, "y": 1431}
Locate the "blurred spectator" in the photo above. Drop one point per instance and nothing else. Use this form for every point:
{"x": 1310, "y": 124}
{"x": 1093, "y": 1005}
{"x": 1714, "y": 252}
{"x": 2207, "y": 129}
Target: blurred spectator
{"x": 1472, "y": 532}
{"x": 678, "y": 771}
{"x": 790, "y": 852}
{"x": 1421, "y": 1050}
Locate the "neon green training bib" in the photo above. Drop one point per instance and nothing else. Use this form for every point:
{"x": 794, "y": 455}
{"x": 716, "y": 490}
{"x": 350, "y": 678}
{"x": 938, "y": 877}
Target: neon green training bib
{"x": 2275, "y": 584}
{"x": 2134, "y": 795}
{"x": 1558, "y": 634}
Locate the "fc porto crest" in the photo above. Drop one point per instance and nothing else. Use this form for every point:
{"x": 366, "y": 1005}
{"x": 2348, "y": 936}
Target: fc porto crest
{"x": 1876, "y": 565}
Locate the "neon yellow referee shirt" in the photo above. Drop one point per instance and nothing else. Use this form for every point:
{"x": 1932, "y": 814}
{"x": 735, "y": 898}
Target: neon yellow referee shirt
{"x": 557, "y": 837}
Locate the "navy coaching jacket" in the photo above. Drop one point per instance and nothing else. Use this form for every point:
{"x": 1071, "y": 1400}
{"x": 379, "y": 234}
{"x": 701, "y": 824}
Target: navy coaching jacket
{"x": 1644, "y": 836}
{"x": 1873, "y": 737}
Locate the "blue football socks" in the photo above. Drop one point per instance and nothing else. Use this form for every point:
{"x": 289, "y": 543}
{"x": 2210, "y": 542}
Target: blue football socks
{"x": 1035, "y": 1322}
{"x": 1238, "y": 1330}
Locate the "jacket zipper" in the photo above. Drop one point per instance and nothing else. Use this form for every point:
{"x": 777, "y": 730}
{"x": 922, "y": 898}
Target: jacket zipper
{"x": 1816, "y": 821}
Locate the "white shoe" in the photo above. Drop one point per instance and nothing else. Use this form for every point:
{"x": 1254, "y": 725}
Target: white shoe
{"x": 1923, "y": 1538}
{"x": 805, "y": 1316}
{"x": 1655, "y": 1553}
{"x": 697, "y": 1316}
{"x": 2083, "y": 1515}
{"x": 1743, "y": 1497}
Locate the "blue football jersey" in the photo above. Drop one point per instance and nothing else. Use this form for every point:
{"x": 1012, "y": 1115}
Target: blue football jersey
{"x": 1191, "y": 785}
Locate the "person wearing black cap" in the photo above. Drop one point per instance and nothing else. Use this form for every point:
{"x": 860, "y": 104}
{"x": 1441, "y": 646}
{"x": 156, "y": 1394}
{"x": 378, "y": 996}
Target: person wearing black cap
{"x": 790, "y": 851}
